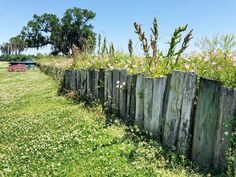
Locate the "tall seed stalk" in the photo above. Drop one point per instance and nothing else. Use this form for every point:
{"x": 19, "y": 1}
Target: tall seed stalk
{"x": 99, "y": 44}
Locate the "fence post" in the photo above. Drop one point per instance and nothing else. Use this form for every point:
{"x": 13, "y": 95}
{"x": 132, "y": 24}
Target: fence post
{"x": 73, "y": 80}
{"x": 133, "y": 99}
{"x": 88, "y": 83}
{"x": 128, "y": 98}
{"x": 109, "y": 89}
{"x": 83, "y": 83}
{"x": 205, "y": 124}
{"x": 115, "y": 89}
{"x": 139, "y": 93}
{"x": 122, "y": 94}
{"x": 227, "y": 118}
{"x": 148, "y": 96}
{"x": 181, "y": 90}
{"x": 66, "y": 79}
{"x": 78, "y": 76}
{"x": 101, "y": 85}
{"x": 95, "y": 83}
{"x": 159, "y": 87}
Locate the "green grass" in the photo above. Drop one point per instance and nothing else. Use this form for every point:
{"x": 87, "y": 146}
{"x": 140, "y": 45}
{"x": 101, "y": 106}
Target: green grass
{"x": 42, "y": 134}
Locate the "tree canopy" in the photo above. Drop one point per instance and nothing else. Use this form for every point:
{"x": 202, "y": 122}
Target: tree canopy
{"x": 72, "y": 30}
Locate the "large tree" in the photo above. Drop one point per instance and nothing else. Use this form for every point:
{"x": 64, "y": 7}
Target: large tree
{"x": 73, "y": 30}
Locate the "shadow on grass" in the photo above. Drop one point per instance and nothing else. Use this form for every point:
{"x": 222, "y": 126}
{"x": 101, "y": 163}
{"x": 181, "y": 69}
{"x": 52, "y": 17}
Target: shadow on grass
{"x": 134, "y": 134}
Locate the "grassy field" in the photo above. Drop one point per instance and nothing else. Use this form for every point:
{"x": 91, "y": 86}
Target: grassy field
{"x": 42, "y": 134}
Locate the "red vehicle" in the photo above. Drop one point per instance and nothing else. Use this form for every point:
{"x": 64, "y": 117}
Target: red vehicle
{"x": 17, "y": 68}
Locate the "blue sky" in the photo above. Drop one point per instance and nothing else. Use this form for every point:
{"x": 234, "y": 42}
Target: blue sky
{"x": 115, "y": 18}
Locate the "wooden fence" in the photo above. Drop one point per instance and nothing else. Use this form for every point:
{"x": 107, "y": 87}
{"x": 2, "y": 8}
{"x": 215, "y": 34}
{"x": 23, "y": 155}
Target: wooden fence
{"x": 192, "y": 117}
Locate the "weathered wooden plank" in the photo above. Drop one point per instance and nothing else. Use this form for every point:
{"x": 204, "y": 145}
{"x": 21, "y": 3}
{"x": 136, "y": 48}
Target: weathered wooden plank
{"x": 148, "y": 97}
{"x": 95, "y": 83}
{"x": 186, "y": 119}
{"x": 227, "y": 115}
{"x": 178, "y": 114}
{"x": 72, "y": 80}
{"x": 88, "y": 83}
{"x": 133, "y": 99}
{"x": 101, "y": 85}
{"x": 75, "y": 80}
{"x": 67, "y": 79}
{"x": 122, "y": 94}
{"x": 139, "y": 93}
{"x": 83, "y": 83}
{"x": 78, "y": 77}
{"x": 205, "y": 123}
{"x": 106, "y": 85}
{"x": 159, "y": 87}
{"x": 115, "y": 89}
{"x": 128, "y": 98}
{"x": 91, "y": 83}
{"x": 109, "y": 89}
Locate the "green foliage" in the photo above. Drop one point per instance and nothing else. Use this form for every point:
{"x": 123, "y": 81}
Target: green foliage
{"x": 20, "y": 57}
{"x": 63, "y": 34}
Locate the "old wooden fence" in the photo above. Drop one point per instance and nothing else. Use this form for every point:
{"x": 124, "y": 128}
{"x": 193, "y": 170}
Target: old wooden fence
{"x": 194, "y": 117}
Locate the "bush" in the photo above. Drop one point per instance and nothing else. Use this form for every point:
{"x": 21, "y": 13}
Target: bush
{"x": 20, "y": 57}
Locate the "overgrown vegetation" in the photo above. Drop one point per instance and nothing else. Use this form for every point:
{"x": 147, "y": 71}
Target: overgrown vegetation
{"x": 215, "y": 60}
{"x": 46, "y": 135}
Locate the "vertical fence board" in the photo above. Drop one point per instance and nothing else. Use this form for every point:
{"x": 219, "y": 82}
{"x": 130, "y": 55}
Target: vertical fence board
{"x": 67, "y": 79}
{"x": 109, "y": 89}
{"x": 71, "y": 79}
{"x": 91, "y": 83}
{"x": 139, "y": 93}
{"x": 173, "y": 109}
{"x": 159, "y": 86}
{"x": 101, "y": 85}
{"x": 96, "y": 78}
{"x": 133, "y": 99}
{"x": 227, "y": 115}
{"x": 205, "y": 123}
{"x": 106, "y": 85}
{"x": 186, "y": 120}
{"x": 115, "y": 89}
{"x": 78, "y": 76}
{"x": 148, "y": 96}
{"x": 177, "y": 132}
{"x": 74, "y": 78}
{"x": 122, "y": 94}
{"x": 128, "y": 97}
{"x": 83, "y": 82}
{"x": 88, "y": 83}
